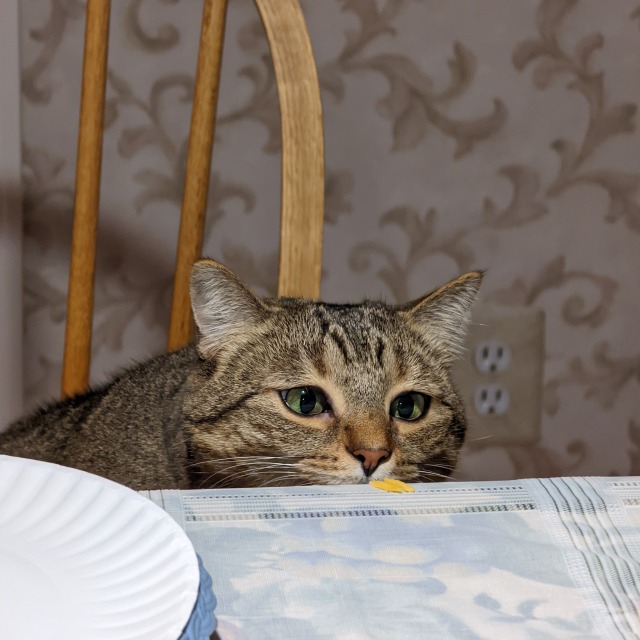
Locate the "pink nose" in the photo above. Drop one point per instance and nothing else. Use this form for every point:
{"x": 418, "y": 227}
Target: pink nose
{"x": 371, "y": 459}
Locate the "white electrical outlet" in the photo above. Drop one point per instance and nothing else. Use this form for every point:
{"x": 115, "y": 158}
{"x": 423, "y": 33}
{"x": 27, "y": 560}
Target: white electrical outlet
{"x": 492, "y": 356}
{"x": 500, "y": 377}
{"x": 491, "y": 399}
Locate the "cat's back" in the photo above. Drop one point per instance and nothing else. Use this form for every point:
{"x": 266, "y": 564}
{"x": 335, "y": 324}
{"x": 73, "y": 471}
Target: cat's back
{"x": 129, "y": 430}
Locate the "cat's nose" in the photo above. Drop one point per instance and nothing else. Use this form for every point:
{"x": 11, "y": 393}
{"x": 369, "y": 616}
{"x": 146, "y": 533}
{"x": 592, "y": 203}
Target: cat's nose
{"x": 371, "y": 459}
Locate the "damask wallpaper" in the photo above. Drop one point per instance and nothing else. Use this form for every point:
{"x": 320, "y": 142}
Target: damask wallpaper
{"x": 495, "y": 134}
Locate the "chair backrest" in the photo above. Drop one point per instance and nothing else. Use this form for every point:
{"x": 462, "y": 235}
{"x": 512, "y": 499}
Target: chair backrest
{"x": 302, "y": 192}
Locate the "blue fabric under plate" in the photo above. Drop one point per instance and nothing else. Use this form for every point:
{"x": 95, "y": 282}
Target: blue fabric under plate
{"x": 202, "y": 622}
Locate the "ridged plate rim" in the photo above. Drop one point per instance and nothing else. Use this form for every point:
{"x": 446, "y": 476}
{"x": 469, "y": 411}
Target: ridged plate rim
{"x": 129, "y": 551}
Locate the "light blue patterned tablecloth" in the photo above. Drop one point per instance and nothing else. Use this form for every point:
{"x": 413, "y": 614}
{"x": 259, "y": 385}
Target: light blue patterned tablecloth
{"x": 530, "y": 559}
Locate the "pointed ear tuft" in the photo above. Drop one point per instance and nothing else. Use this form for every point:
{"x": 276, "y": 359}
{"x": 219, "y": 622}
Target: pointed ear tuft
{"x": 223, "y": 307}
{"x": 444, "y": 314}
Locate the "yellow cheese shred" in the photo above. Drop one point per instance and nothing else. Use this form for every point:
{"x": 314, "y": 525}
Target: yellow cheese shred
{"x": 379, "y": 484}
{"x": 400, "y": 485}
{"x": 391, "y": 485}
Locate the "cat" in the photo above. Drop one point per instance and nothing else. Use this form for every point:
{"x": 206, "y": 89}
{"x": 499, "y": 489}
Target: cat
{"x": 274, "y": 392}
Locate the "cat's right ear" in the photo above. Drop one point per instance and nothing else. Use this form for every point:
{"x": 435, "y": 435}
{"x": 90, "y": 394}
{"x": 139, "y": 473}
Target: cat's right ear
{"x": 223, "y": 307}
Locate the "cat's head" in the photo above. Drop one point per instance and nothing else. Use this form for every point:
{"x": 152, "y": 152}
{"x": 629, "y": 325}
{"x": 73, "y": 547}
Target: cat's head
{"x": 290, "y": 391}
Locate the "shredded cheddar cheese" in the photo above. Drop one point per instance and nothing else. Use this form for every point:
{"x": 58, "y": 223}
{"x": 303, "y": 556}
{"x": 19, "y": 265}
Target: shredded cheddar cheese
{"x": 400, "y": 485}
{"x": 391, "y": 485}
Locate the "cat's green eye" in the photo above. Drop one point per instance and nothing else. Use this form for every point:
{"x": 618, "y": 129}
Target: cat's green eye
{"x": 410, "y": 406}
{"x": 307, "y": 401}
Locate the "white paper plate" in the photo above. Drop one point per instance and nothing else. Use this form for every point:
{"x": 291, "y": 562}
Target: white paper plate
{"x": 84, "y": 558}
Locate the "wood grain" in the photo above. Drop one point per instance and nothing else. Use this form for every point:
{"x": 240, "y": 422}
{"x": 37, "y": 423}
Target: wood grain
{"x": 77, "y": 347}
{"x": 302, "y": 208}
{"x": 302, "y": 204}
{"x": 196, "y": 188}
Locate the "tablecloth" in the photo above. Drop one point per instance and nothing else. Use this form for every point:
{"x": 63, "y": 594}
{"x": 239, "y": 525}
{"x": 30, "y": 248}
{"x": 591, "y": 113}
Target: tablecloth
{"x": 530, "y": 559}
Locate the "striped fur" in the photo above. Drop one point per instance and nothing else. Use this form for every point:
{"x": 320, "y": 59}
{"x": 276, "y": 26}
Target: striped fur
{"x": 212, "y": 415}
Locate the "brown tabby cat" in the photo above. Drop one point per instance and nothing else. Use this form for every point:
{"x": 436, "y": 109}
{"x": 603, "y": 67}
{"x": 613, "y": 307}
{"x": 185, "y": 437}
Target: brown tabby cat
{"x": 275, "y": 392}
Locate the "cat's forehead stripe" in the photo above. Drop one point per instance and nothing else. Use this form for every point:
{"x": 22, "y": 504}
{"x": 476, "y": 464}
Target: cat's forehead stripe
{"x": 339, "y": 339}
{"x": 368, "y": 336}
{"x": 331, "y": 328}
{"x": 357, "y": 331}
{"x": 380, "y": 351}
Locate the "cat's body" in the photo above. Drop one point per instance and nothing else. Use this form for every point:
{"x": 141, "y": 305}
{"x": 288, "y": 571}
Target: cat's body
{"x": 276, "y": 392}
{"x": 129, "y": 431}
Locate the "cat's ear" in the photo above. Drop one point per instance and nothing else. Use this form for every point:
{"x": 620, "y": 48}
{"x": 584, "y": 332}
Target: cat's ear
{"x": 223, "y": 307}
{"x": 444, "y": 314}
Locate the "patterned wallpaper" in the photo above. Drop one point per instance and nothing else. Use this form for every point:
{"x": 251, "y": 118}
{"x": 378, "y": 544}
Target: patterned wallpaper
{"x": 493, "y": 134}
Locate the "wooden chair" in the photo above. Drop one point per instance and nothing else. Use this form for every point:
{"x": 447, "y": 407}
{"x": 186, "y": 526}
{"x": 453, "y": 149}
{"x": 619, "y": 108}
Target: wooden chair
{"x": 302, "y": 199}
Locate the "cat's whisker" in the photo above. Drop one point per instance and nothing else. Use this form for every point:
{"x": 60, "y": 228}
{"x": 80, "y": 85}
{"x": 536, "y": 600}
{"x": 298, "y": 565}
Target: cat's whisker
{"x": 275, "y": 479}
{"x": 261, "y": 465}
{"x": 249, "y": 469}
{"x": 254, "y": 470}
{"x": 441, "y": 470}
{"x": 450, "y": 476}
{"x": 437, "y": 465}
{"x": 238, "y": 460}
{"x": 456, "y": 474}
{"x": 205, "y": 481}
{"x": 431, "y": 474}
{"x": 325, "y": 477}
{"x": 244, "y": 460}
{"x": 281, "y": 478}
{"x": 247, "y": 464}
{"x": 227, "y": 478}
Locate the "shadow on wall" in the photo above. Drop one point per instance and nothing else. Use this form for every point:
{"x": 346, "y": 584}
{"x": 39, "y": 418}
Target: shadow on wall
{"x": 11, "y": 338}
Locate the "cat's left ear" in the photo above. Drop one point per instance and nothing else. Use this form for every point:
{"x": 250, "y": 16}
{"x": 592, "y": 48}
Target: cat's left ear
{"x": 223, "y": 308}
{"x": 444, "y": 314}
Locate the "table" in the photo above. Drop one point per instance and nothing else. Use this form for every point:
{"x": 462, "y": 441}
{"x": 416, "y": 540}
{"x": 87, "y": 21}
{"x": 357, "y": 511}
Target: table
{"x": 529, "y": 559}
